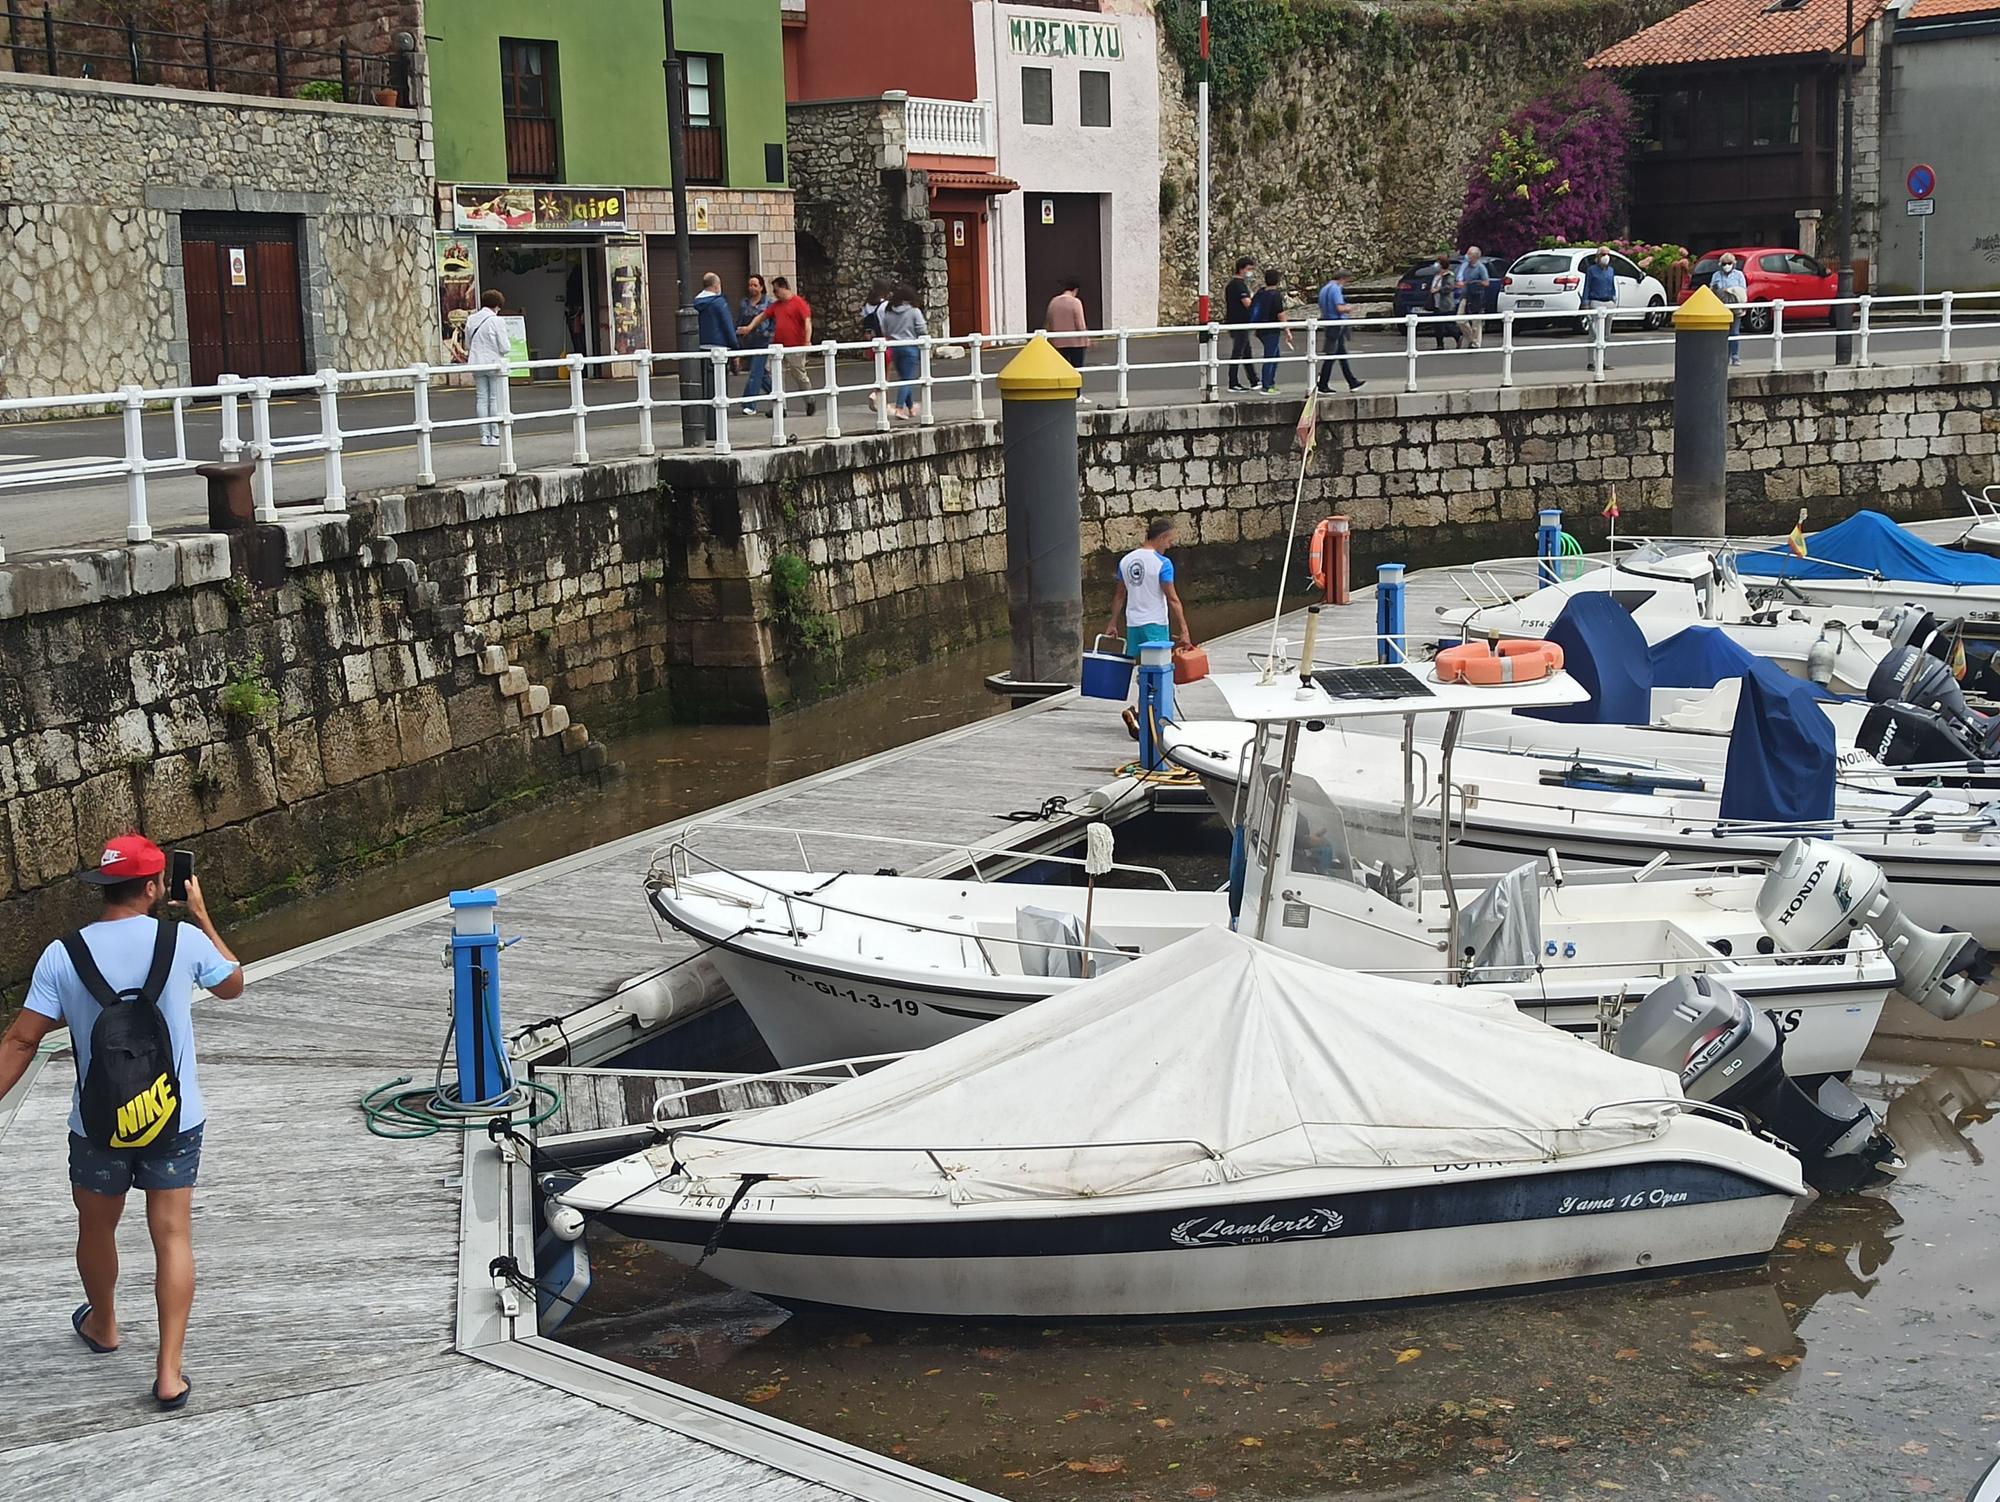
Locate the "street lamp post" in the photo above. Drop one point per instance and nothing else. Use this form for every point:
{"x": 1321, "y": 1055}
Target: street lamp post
{"x": 694, "y": 418}
{"x": 1843, "y": 344}
{"x": 1201, "y": 206}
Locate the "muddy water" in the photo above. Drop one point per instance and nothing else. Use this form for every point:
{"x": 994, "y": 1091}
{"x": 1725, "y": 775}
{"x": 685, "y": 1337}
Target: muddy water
{"x": 1863, "y": 1363}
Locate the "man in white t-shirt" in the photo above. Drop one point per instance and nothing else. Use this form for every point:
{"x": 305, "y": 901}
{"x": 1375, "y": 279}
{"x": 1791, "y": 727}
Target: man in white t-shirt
{"x": 1146, "y": 593}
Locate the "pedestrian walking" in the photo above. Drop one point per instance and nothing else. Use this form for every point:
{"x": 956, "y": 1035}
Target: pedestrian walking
{"x": 790, "y": 318}
{"x": 1443, "y": 292}
{"x": 903, "y": 319}
{"x": 124, "y": 987}
{"x": 1600, "y": 288}
{"x": 1236, "y": 301}
{"x": 1733, "y": 288}
{"x": 487, "y": 346}
{"x": 1268, "y": 309}
{"x": 872, "y": 306}
{"x": 1066, "y": 322}
{"x": 1146, "y": 596}
{"x": 752, "y": 335}
{"x": 1333, "y": 312}
{"x": 715, "y": 331}
{"x": 1475, "y": 295}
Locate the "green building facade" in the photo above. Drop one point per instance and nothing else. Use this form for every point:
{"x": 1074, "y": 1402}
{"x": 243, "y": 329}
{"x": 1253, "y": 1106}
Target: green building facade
{"x": 550, "y": 133}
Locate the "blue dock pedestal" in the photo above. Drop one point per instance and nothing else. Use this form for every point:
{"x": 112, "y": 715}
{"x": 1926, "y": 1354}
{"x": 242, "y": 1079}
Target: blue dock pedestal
{"x": 1156, "y": 702}
{"x": 1391, "y": 643}
{"x": 1548, "y": 544}
{"x": 483, "y": 1072}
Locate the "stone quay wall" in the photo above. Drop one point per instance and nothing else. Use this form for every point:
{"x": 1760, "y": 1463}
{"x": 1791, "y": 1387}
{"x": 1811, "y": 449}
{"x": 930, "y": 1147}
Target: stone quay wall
{"x": 98, "y": 175}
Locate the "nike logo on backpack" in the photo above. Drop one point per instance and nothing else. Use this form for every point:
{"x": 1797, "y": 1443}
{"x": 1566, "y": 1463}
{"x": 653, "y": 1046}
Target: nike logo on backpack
{"x": 141, "y": 1117}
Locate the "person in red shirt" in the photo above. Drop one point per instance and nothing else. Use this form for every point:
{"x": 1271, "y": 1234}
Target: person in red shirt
{"x": 791, "y": 320}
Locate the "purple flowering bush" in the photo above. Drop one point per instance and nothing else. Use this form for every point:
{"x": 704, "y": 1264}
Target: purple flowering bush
{"x": 1554, "y": 174}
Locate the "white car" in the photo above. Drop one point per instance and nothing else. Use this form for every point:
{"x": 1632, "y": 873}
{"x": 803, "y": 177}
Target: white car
{"x": 1551, "y": 282}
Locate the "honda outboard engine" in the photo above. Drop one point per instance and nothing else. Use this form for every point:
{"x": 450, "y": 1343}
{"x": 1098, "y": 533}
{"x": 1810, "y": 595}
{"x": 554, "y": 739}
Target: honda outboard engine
{"x": 1729, "y": 1054}
{"x": 1819, "y": 893}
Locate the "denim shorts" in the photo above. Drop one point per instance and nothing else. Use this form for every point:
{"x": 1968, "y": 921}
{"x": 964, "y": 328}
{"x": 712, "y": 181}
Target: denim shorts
{"x": 171, "y": 1164}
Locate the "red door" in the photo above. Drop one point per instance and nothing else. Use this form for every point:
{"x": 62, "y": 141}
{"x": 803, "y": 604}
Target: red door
{"x": 240, "y": 273}
{"x": 961, "y": 272}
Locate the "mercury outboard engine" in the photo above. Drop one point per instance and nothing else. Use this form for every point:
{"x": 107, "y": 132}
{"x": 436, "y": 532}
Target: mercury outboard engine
{"x": 1927, "y": 711}
{"x": 1729, "y": 1054}
{"x": 1818, "y": 894}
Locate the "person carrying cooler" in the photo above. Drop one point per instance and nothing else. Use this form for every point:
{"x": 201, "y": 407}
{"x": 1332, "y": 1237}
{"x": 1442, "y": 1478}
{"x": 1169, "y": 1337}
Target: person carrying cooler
{"x": 1146, "y": 593}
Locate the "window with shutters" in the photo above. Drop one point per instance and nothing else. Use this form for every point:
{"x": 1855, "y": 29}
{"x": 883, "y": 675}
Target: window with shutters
{"x": 707, "y": 156}
{"x": 528, "y": 110}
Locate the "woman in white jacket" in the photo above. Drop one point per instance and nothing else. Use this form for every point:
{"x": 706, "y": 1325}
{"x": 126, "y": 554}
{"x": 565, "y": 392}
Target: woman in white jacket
{"x": 486, "y": 344}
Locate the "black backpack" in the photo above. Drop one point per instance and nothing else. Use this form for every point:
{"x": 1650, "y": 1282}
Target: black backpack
{"x": 130, "y": 1097}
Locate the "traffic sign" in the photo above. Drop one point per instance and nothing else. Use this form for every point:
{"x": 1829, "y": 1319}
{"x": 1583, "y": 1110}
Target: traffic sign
{"x": 1919, "y": 208}
{"x": 1922, "y": 181}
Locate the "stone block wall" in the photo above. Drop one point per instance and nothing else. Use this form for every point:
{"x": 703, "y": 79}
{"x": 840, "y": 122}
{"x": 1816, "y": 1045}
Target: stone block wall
{"x": 98, "y": 175}
{"x": 861, "y": 212}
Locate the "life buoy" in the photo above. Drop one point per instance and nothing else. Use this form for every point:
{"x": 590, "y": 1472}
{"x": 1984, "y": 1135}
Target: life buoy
{"x": 1319, "y": 557}
{"x": 1507, "y": 662}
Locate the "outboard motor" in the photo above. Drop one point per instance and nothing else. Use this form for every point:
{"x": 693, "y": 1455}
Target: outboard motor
{"x": 1904, "y": 735}
{"x": 1913, "y": 626}
{"x": 1729, "y": 1054}
{"x": 1819, "y": 893}
{"x": 1911, "y": 677}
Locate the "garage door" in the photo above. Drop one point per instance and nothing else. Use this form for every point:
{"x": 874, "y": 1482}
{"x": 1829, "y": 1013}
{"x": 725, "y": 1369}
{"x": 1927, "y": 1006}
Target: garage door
{"x": 731, "y": 257}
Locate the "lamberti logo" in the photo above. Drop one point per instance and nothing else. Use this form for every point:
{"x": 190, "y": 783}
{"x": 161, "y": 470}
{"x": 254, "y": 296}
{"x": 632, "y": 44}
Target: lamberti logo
{"x": 1203, "y": 1231}
{"x": 141, "y": 1117}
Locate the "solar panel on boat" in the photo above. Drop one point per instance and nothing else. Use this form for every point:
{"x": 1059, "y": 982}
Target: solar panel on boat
{"x": 1371, "y": 683}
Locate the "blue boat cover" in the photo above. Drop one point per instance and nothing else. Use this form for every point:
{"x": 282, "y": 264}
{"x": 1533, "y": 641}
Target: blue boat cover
{"x": 1699, "y": 657}
{"x": 1871, "y": 543}
{"x": 1781, "y": 755}
{"x": 1605, "y": 651}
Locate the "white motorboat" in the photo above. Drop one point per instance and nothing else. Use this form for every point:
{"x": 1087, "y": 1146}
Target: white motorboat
{"x": 1940, "y": 854}
{"x": 1868, "y": 562}
{"x": 1216, "y": 1128}
{"x": 1668, "y": 587}
{"x": 1982, "y": 535}
{"x": 834, "y": 964}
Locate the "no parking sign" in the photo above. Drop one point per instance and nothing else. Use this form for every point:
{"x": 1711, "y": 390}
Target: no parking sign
{"x": 1922, "y": 181}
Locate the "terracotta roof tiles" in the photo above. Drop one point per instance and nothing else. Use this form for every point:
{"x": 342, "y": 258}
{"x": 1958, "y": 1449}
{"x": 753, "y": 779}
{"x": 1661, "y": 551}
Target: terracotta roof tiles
{"x": 1719, "y": 30}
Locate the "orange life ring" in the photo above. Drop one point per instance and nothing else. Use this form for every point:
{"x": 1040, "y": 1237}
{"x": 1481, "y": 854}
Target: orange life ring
{"x": 1507, "y": 662}
{"x": 1318, "y": 554}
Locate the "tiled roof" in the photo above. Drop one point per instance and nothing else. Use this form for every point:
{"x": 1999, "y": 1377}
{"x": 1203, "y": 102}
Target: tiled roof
{"x": 1930, "y": 10}
{"x": 1712, "y": 31}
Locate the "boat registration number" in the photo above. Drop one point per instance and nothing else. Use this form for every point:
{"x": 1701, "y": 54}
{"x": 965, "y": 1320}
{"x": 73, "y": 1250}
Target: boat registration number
{"x": 870, "y": 999}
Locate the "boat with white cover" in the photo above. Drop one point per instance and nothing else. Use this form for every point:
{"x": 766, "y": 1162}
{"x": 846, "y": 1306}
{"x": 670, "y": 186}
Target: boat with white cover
{"x": 833, "y": 964}
{"x": 1215, "y": 1128}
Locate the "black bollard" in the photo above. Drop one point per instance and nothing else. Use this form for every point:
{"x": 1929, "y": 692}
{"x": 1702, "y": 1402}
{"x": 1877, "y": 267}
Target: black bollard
{"x": 1038, "y": 392}
{"x": 1701, "y": 416}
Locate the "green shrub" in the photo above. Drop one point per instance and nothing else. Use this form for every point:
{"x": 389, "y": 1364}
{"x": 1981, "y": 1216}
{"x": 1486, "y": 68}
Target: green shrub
{"x": 325, "y": 90}
{"x": 247, "y": 698}
{"x": 807, "y": 629}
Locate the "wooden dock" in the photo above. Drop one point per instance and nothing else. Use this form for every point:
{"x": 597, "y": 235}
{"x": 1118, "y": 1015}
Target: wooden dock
{"x": 325, "y": 1350}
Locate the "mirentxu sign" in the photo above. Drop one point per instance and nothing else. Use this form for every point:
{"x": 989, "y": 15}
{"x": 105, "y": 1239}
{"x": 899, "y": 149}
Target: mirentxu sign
{"x": 1064, "y": 38}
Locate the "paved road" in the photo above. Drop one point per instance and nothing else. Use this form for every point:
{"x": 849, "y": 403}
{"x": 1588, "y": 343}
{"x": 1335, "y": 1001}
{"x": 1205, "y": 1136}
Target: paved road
{"x": 79, "y": 514}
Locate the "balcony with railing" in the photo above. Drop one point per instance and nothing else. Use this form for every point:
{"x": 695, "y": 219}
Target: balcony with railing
{"x": 531, "y": 149}
{"x": 949, "y": 127}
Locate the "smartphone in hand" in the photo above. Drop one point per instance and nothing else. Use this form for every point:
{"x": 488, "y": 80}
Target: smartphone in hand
{"x": 179, "y": 870}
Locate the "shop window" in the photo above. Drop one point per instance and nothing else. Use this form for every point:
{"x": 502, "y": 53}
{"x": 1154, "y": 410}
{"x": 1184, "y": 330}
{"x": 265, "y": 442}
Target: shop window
{"x": 1093, "y": 94}
{"x": 1038, "y": 97}
{"x": 701, "y": 75}
{"x": 528, "y": 110}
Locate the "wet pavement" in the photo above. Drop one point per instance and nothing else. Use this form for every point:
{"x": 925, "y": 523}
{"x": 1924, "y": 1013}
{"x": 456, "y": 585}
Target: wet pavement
{"x": 1863, "y": 1363}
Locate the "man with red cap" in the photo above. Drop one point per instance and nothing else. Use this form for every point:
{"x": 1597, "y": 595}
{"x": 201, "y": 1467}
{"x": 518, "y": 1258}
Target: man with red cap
{"x": 121, "y": 948}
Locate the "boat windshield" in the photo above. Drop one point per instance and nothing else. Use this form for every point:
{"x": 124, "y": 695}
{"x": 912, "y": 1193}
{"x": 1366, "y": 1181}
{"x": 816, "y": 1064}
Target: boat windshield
{"x": 1375, "y": 847}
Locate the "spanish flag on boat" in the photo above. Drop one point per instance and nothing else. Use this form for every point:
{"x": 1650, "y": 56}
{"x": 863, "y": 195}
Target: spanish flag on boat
{"x": 1610, "y": 511}
{"x": 1797, "y": 541}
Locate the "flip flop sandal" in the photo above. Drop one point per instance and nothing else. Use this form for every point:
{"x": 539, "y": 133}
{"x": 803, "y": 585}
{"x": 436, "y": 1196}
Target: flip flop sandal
{"x": 178, "y": 1401}
{"x": 76, "y": 1323}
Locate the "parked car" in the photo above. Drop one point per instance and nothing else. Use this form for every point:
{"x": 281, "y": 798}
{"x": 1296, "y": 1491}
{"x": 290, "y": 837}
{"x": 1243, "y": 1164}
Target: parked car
{"x": 1413, "y": 288}
{"x": 1550, "y": 282}
{"x": 1773, "y": 272}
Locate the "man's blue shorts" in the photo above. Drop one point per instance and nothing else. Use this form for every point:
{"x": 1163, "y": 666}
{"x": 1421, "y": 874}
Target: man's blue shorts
{"x": 171, "y": 1164}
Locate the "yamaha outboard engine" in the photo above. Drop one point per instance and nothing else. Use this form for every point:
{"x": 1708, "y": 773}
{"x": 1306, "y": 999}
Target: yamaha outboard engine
{"x": 1729, "y": 1054}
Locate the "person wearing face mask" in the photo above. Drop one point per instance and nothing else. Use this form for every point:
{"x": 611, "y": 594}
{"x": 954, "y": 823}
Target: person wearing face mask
{"x": 1600, "y": 287}
{"x": 1729, "y": 284}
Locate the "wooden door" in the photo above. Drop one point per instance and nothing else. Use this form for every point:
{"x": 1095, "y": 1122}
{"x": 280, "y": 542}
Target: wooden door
{"x": 1064, "y": 238}
{"x": 240, "y": 276}
{"x": 961, "y": 273}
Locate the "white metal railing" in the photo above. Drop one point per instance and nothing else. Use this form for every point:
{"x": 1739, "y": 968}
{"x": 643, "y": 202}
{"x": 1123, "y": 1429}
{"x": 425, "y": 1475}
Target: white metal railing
{"x": 874, "y": 385}
{"x": 949, "y": 127}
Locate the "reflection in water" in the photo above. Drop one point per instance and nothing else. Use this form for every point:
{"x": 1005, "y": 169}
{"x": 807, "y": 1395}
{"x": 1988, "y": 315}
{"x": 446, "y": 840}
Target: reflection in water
{"x": 1849, "y": 1368}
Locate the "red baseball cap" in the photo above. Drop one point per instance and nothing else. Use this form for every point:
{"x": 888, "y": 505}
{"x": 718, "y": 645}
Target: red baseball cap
{"x": 127, "y": 858}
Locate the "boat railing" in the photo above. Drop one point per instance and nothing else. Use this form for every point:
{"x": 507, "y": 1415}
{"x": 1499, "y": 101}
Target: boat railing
{"x": 831, "y": 1072}
{"x": 683, "y": 842}
{"x": 680, "y": 871}
{"x": 1985, "y": 506}
{"x": 932, "y": 1151}
{"x": 1678, "y": 1102}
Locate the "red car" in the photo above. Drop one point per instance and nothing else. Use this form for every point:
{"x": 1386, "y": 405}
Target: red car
{"x": 1773, "y": 271}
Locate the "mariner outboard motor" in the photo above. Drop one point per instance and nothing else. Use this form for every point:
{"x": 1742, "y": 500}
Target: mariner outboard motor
{"x": 1818, "y": 894}
{"x": 1729, "y": 1054}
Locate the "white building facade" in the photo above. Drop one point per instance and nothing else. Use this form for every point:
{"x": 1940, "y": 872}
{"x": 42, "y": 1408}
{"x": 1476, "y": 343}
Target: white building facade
{"x": 1077, "y": 114}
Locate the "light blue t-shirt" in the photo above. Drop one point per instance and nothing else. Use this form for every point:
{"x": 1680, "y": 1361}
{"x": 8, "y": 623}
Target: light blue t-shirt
{"x": 1332, "y": 298}
{"x": 124, "y": 952}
